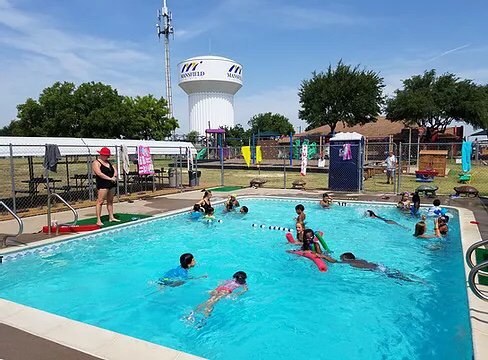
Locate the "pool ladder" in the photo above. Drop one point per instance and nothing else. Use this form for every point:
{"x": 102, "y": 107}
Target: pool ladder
{"x": 49, "y": 206}
{"x": 19, "y": 222}
{"x": 475, "y": 269}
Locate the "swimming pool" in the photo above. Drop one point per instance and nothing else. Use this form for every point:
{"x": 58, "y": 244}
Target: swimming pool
{"x": 291, "y": 311}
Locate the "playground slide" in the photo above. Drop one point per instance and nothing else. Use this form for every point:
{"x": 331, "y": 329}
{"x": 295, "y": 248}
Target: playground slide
{"x": 312, "y": 150}
{"x": 201, "y": 154}
{"x": 297, "y": 149}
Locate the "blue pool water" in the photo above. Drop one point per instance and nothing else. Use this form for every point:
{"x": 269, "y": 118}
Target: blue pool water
{"x": 291, "y": 310}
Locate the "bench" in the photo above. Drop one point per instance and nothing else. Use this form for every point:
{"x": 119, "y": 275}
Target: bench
{"x": 428, "y": 192}
{"x": 299, "y": 185}
{"x": 257, "y": 182}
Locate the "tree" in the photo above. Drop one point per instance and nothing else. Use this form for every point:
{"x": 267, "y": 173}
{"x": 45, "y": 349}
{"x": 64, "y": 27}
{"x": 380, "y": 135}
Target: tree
{"x": 236, "y": 136}
{"x": 92, "y": 110}
{"x": 192, "y": 136}
{"x": 270, "y": 122}
{"x": 149, "y": 118}
{"x": 345, "y": 94}
{"x": 433, "y": 102}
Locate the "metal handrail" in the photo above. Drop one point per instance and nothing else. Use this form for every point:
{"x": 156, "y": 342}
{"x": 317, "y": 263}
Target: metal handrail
{"x": 470, "y": 251}
{"x": 472, "y": 283}
{"x": 75, "y": 213}
{"x": 19, "y": 221}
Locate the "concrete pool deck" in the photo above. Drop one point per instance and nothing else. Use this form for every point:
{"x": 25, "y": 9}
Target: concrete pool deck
{"x": 49, "y": 334}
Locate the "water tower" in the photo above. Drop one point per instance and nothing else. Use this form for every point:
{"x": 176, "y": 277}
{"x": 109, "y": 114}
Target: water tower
{"x": 211, "y": 83}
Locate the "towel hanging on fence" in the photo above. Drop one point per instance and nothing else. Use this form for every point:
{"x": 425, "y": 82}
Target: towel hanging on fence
{"x": 246, "y": 154}
{"x": 189, "y": 158}
{"x": 124, "y": 155}
{"x": 144, "y": 160}
{"x": 51, "y": 157}
{"x": 304, "y": 163}
{"x": 466, "y": 152}
{"x": 346, "y": 152}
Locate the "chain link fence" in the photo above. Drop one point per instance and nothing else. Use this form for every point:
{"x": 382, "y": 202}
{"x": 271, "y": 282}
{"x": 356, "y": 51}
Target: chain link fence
{"x": 439, "y": 165}
{"x": 25, "y": 184}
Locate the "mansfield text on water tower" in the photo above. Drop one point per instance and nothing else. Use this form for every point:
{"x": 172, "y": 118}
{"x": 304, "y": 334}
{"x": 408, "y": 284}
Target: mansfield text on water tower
{"x": 211, "y": 83}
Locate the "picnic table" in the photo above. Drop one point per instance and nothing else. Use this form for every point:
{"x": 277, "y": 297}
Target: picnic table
{"x": 35, "y": 182}
{"x": 80, "y": 180}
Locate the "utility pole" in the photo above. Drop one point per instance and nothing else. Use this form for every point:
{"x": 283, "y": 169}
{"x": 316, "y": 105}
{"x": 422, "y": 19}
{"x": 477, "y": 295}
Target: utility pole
{"x": 165, "y": 28}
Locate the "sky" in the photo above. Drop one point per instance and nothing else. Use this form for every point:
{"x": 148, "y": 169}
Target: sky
{"x": 278, "y": 42}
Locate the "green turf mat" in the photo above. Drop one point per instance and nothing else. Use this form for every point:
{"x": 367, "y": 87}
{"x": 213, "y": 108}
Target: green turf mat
{"x": 124, "y": 218}
{"x": 226, "y": 188}
{"x": 482, "y": 255}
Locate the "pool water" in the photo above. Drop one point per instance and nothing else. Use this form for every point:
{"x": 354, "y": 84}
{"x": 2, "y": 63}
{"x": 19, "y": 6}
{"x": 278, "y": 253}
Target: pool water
{"x": 291, "y": 310}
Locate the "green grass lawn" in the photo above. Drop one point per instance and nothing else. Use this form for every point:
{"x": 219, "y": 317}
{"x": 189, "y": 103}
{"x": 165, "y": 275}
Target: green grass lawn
{"x": 212, "y": 177}
{"x": 377, "y": 183}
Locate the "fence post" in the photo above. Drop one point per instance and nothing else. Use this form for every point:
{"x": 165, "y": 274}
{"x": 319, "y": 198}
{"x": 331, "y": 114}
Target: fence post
{"x": 221, "y": 166}
{"x": 476, "y": 153}
{"x": 197, "y": 181}
{"x": 118, "y": 168}
{"x": 181, "y": 171}
{"x": 396, "y": 189}
{"x": 90, "y": 176}
{"x": 12, "y": 178}
{"x": 284, "y": 170}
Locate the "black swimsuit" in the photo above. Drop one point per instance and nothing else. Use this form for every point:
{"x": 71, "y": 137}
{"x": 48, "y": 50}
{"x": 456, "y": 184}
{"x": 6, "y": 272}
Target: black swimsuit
{"x": 107, "y": 171}
{"x": 206, "y": 205}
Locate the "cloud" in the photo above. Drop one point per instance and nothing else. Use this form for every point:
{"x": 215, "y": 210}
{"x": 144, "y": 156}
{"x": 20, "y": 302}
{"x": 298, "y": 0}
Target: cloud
{"x": 283, "y": 100}
{"x": 36, "y": 52}
{"x": 449, "y": 52}
{"x": 257, "y": 13}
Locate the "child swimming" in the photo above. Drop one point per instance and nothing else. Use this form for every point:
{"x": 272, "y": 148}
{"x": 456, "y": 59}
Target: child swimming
{"x": 415, "y": 207}
{"x": 179, "y": 275}
{"x": 311, "y": 244}
{"x": 371, "y": 214}
{"x": 435, "y": 209}
{"x": 350, "y": 259}
{"x": 326, "y": 201}
{"x": 196, "y": 212}
{"x": 226, "y": 288}
{"x": 300, "y": 210}
{"x": 231, "y": 203}
{"x": 421, "y": 229}
{"x": 300, "y": 230}
{"x": 244, "y": 210}
{"x": 404, "y": 203}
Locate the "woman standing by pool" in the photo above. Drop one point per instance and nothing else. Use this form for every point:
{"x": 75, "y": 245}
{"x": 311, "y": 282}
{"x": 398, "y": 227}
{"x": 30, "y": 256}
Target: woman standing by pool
{"x": 106, "y": 178}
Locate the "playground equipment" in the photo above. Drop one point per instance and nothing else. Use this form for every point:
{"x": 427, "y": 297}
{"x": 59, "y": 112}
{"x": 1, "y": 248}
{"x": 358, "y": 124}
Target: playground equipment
{"x": 215, "y": 143}
{"x": 297, "y": 149}
{"x": 201, "y": 154}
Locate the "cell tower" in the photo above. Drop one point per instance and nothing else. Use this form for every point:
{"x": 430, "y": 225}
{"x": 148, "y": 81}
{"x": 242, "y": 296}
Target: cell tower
{"x": 165, "y": 28}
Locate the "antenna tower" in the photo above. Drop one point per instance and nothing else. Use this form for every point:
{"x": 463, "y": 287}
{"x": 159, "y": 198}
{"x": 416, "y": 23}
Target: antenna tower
{"x": 165, "y": 28}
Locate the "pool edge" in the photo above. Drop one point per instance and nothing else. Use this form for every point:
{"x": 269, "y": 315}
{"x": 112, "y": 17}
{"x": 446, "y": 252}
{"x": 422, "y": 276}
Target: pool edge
{"x": 88, "y": 339}
{"x": 123, "y": 345}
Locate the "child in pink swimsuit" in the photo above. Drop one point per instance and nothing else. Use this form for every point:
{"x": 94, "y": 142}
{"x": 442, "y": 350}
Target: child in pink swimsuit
{"x": 228, "y": 287}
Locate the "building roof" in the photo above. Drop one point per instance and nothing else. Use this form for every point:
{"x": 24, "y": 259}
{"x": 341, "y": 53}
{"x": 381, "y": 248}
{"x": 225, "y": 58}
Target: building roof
{"x": 381, "y": 128}
{"x": 346, "y": 136}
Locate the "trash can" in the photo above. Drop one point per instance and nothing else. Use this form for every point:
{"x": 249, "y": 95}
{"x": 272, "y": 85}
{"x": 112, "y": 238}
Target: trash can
{"x": 194, "y": 178}
{"x": 174, "y": 177}
{"x": 346, "y": 162}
